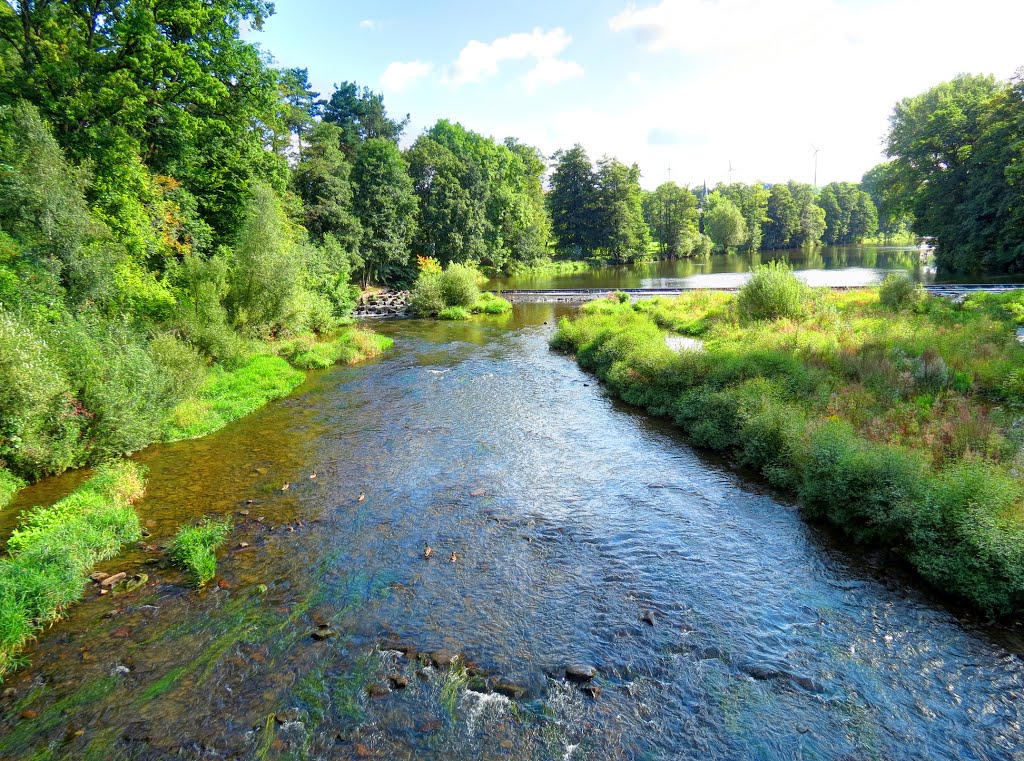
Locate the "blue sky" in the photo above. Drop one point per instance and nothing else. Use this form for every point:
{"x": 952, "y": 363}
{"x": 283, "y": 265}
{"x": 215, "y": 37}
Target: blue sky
{"x": 691, "y": 84}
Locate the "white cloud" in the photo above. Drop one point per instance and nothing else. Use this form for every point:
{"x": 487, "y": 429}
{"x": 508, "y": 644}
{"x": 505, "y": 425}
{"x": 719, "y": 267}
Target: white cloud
{"x": 767, "y": 78}
{"x": 481, "y": 60}
{"x": 551, "y": 71}
{"x": 401, "y": 75}
{"x": 369, "y": 23}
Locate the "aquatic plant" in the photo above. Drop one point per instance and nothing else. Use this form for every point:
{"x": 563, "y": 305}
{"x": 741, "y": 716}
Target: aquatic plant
{"x": 489, "y": 303}
{"x": 54, "y": 548}
{"x": 194, "y": 548}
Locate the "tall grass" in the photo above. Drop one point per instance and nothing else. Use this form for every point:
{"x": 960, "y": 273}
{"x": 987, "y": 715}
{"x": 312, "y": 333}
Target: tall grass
{"x": 194, "y": 548}
{"x": 53, "y": 549}
{"x": 9, "y": 486}
{"x": 904, "y": 428}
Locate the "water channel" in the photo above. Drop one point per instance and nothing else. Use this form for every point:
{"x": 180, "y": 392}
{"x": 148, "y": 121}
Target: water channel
{"x": 574, "y": 519}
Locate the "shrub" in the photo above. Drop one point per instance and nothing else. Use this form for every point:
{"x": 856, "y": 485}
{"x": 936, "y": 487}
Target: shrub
{"x": 194, "y": 548}
{"x": 898, "y": 292}
{"x": 54, "y": 548}
{"x": 453, "y": 313}
{"x": 459, "y": 286}
{"x": 427, "y": 298}
{"x": 773, "y": 291}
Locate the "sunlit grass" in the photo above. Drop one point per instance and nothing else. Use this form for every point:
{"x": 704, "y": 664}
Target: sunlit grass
{"x": 195, "y": 548}
{"x": 53, "y": 549}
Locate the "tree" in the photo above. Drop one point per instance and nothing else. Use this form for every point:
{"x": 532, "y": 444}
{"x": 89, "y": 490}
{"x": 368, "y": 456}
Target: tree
{"x": 724, "y": 223}
{"x": 572, "y": 202}
{"x": 783, "y": 219}
{"x": 298, "y": 107}
{"x": 933, "y": 140}
{"x": 812, "y": 216}
{"x": 451, "y": 225}
{"x": 266, "y": 267}
{"x": 360, "y": 115}
{"x": 385, "y": 205}
{"x": 882, "y": 183}
{"x": 323, "y": 180}
{"x": 622, "y": 233}
{"x": 752, "y": 201}
{"x": 850, "y": 214}
{"x": 671, "y": 213}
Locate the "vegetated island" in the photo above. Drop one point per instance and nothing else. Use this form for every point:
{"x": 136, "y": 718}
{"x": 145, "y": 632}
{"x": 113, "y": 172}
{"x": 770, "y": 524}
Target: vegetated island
{"x": 891, "y": 414}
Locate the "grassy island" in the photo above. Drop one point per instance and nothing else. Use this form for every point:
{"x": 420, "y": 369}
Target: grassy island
{"x": 896, "y": 416}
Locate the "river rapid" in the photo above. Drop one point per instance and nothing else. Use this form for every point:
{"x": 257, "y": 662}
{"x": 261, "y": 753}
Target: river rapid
{"x": 720, "y": 623}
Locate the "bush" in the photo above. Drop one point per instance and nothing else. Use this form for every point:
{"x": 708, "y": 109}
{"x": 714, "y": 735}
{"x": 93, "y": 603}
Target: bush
{"x": 427, "y": 298}
{"x": 194, "y": 548}
{"x": 773, "y": 291}
{"x": 898, "y": 292}
{"x": 53, "y": 549}
{"x": 453, "y": 313}
{"x": 459, "y": 286}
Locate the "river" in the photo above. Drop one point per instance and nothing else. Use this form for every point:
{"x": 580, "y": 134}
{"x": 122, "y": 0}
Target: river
{"x": 574, "y": 518}
{"x": 850, "y": 266}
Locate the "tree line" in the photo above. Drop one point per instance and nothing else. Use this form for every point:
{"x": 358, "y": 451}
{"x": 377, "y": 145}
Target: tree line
{"x": 956, "y": 168}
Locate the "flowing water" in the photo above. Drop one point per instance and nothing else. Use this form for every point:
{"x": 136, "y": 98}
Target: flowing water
{"x": 574, "y": 518}
{"x": 850, "y": 266}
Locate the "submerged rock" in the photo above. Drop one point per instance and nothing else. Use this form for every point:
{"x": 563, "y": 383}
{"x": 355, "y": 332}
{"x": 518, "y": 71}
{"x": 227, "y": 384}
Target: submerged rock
{"x": 509, "y": 689}
{"x": 647, "y": 617}
{"x": 377, "y": 690}
{"x": 580, "y": 672}
{"x": 322, "y": 632}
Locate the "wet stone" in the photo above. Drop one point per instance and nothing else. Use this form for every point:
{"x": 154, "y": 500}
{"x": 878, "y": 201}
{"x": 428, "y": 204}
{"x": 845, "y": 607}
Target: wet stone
{"x": 443, "y": 658}
{"x": 592, "y": 690}
{"x": 28, "y": 714}
{"x": 580, "y": 672}
{"x": 398, "y": 681}
{"x": 509, "y": 689}
{"x": 287, "y": 716}
{"x": 647, "y": 617}
{"x": 109, "y": 581}
{"x": 322, "y": 632}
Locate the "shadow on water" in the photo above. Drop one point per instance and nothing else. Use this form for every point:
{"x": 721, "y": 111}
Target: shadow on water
{"x": 721, "y": 624}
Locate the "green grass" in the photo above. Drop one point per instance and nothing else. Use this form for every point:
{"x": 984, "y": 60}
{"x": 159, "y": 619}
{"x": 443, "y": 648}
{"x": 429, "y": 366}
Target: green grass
{"x": 489, "y": 303}
{"x": 901, "y": 424}
{"x": 194, "y": 548}
{"x": 453, "y": 313}
{"x": 53, "y": 549}
{"x": 9, "y": 486}
{"x": 351, "y": 346}
{"x": 229, "y": 395}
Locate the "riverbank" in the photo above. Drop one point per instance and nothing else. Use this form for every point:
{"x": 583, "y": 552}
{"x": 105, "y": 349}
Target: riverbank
{"x": 900, "y": 425}
{"x": 270, "y": 372}
{"x": 52, "y": 552}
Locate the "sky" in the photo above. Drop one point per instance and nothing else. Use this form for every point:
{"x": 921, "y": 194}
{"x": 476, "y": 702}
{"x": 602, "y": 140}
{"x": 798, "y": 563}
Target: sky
{"x": 684, "y": 88}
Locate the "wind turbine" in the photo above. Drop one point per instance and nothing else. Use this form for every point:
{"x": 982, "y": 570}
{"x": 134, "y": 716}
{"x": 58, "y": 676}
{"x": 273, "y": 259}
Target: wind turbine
{"x": 816, "y": 152}
{"x": 730, "y": 171}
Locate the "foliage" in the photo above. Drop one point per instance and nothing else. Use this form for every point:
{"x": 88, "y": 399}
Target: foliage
{"x": 350, "y": 346}
{"x": 488, "y": 303}
{"x": 194, "y": 548}
{"x": 899, "y": 427}
{"x": 724, "y": 223}
{"x": 53, "y": 549}
{"x": 671, "y": 214}
{"x": 773, "y": 291}
{"x": 456, "y": 286}
{"x": 850, "y": 214}
{"x": 385, "y": 205}
{"x": 956, "y": 152}
{"x": 453, "y": 313}
{"x": 752, "y": 203}
{"x": 572, "y": 202}
{"x": 898, "y": 291}
{"x": 9, "y": 486}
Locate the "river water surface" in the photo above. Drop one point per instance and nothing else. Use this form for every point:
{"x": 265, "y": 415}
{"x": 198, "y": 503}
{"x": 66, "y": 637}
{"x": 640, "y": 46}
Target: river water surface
{"x": 573, "y": 518}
